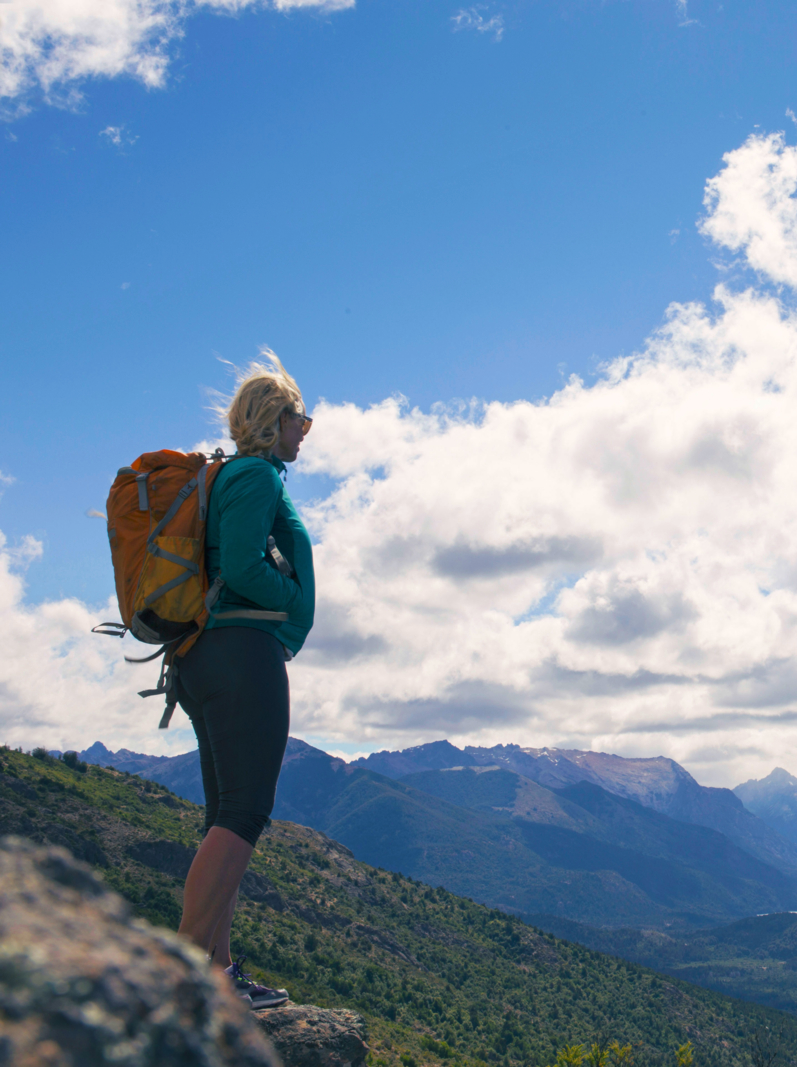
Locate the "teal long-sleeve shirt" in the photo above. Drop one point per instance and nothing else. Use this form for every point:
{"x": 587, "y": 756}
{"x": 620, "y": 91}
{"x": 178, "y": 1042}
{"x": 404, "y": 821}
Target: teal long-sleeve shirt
{"x": 248, "y": 502}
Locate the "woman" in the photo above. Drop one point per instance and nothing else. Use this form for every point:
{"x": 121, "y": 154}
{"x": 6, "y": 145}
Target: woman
{"x": 233, "y": 684}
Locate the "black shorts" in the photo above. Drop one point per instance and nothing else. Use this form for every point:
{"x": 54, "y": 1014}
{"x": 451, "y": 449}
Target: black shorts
{"x": 233, "y": 686}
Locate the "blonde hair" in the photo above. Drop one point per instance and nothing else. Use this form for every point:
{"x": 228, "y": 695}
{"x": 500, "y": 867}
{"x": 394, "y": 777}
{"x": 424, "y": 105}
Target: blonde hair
{"x": 264, "y": 391}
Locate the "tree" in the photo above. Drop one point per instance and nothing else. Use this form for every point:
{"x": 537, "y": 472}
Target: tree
{"x": 765, "y": 1047}
{"x": 72, "y": 760}
{"x": 599, "y": 1054}
{"x": 570, "y": 1056}
{"x": 683, "y": 1055}
{"x": 621, "y": 1054}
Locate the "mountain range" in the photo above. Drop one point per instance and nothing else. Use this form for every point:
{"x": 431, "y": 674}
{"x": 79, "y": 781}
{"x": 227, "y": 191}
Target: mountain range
{"x": 658, "y": 783}
{"x": 774, "y": 800}
{"x": 582, "y": 836}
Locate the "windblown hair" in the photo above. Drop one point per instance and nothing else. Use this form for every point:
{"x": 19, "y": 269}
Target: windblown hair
{"x": 264, "y": 391}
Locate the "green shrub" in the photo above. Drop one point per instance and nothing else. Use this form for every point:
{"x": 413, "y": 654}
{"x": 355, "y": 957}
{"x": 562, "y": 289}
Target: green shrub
{"x": 75, "y": 764}
{"x": 439, "y": 1048}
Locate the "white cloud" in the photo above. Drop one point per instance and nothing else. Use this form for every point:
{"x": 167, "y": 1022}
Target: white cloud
{"x": 347, "y": 757}
{"x": 28, "y": 550}
{"x": 613, "y": 568}
{"x": 752, "y": 208}
{"x": 62, "y": 686}
{"x": 471, "y": 18}
{"x": 117, "y": 135}
{"x": 683, "y": 14}
{"x": 54, "y": 45}
{"x": 226, "y": 444}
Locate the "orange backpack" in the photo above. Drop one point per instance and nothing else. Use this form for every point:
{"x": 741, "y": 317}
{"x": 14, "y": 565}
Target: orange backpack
{"x": 157, "y": 511}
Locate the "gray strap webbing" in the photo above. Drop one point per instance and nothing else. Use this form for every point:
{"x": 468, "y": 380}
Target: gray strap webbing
{"x": 203, "y": 496}
{"x": 167, "y": 586}
{"x": 185, "y": 492}
{"x": 147, "y": 659}
{"x": 251, "y": 613}
{"x": 141, "y": 482}
{"x": 214, "y": 592}
{"x": 191, "y": 568}
{"x": 166, "y": 718}
{"x": 156, "y": 550}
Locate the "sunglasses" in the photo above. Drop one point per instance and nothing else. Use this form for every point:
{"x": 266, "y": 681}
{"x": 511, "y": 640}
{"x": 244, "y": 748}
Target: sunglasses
{"x": 307, "y": 422}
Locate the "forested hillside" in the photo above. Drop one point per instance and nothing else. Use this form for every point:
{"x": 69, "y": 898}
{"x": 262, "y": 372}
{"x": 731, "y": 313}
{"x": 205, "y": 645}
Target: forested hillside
{"x": 755, "y": 958}
{"x": 438, "y": 977}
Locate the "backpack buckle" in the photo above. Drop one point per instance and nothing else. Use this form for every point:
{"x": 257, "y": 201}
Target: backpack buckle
{"x": 116, "y": 629}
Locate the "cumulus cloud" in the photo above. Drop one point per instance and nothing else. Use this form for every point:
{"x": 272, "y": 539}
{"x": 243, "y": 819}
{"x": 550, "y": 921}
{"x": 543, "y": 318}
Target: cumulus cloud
{"x": 612, "y": 568}
{"x": 471, "y": 18}
{"x": 60, "y": 685}
{"x": 581, "y": 570}
{"x": 54, "y": 45}
{"x": 752, "y": 209}
{"x": 19, "y": 556}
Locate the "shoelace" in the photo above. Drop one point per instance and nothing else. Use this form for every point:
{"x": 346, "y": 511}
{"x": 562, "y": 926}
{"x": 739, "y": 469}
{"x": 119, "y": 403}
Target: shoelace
{"x": 238, "y": 971}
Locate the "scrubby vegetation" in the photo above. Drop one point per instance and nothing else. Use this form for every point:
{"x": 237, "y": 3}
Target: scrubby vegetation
{"x": 752, "y": 959}
{"x": 71, "y": 759}
{"x": 440, "y": 979}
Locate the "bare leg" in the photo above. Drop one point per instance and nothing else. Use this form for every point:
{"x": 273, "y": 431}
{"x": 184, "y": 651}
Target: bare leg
{"x": 220, "y": 938}
{"x": 212, "y": 882}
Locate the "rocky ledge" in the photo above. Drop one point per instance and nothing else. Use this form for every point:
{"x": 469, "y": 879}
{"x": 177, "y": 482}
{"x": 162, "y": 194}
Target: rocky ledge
{"x": 305, "y": 1036}
{"x": 83, "y": 983}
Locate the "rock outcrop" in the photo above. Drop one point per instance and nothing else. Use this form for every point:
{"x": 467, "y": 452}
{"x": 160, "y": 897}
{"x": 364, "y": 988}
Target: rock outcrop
{"x": 83, "y": 984}
{"x": 305, "y": 1036}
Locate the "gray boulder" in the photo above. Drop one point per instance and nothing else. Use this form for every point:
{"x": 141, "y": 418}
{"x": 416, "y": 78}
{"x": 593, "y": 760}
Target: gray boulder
{"x": 83, "y": 984}
{"x": 305, "y": 1036}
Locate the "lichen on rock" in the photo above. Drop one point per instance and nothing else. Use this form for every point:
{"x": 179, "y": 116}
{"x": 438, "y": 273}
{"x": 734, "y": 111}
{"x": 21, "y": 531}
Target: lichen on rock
{"x": 306, "y": 1036}
{"x": 84, "y": 984}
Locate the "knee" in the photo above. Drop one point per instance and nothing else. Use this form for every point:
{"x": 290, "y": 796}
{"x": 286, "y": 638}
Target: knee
{"x": 248, "y": 825}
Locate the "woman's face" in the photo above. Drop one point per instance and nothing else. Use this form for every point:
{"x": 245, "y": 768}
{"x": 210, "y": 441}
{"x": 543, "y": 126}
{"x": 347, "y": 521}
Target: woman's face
{"x": 287, "y": 448}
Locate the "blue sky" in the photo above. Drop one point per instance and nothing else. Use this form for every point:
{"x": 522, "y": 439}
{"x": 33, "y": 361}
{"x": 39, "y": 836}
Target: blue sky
{"x": 392, "y": 205}
{"x": 418, "y": 198}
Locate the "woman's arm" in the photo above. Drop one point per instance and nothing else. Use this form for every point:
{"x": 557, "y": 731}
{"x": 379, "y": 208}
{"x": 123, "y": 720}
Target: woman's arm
{"x": 247, "y": 508}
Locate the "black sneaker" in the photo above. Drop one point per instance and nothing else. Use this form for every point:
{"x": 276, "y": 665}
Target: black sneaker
{"x": 260, "y": 996}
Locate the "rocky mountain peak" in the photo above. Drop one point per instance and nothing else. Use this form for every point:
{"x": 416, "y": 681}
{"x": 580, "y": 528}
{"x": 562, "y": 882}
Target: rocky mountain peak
{"x": 774, "y": 800}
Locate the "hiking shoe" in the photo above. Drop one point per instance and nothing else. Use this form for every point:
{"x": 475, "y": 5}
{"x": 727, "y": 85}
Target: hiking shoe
{"x": 260, "y": 996}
